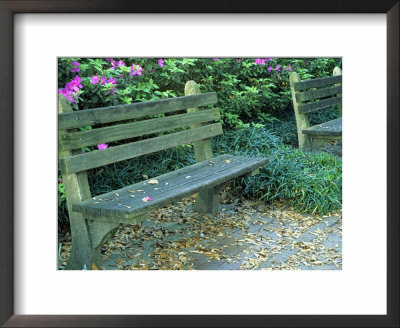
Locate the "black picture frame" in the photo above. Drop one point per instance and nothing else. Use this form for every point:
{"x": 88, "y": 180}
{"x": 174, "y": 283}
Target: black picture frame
{"x": 7, "y": 10}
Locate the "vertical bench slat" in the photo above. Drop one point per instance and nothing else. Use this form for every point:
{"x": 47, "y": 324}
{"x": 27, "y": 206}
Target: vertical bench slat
{"x": 94, "y": 116}
{"x": 97, "y": 158}
{"x": 80, "y": 139}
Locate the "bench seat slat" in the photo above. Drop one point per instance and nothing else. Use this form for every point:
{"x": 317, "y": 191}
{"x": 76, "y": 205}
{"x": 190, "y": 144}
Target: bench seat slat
{"x": 181, "y": 183}
{"x": 331, "y": 128}
{"x": 80, "y": 139}
{"x": 109, "y": 114}
{"x": 317, "y": 94}
{"x": 316, "y": 83}
{"x": 97, "y": 158}
{"x": 307, "y": 108}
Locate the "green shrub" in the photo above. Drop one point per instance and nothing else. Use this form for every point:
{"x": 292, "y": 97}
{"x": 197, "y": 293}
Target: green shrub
{"x": 248, "y": 89}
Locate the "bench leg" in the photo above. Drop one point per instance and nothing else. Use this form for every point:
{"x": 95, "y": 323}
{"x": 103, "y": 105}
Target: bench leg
{"x": 98, "y": 233}
{"x": 81, "y": 253}
{"x": 87, "y": 238}
{"x": 315, "y": 143}
{"x": 207, "y": 201}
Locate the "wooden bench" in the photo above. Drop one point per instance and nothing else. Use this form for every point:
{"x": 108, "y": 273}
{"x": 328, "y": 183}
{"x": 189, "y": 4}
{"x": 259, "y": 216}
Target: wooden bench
{"x": 93, "y": 219}
{"x": 312, "y": 95}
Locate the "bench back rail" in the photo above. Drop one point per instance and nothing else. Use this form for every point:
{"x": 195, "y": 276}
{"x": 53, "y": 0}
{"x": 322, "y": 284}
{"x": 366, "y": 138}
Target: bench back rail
{"x": 142, "y": 136}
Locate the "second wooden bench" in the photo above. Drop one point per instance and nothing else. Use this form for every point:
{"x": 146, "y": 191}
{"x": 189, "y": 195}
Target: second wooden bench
{"x": 312, "y": 95}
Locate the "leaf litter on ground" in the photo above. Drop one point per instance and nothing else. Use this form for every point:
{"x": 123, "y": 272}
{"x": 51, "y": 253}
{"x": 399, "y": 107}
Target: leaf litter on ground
{"x": 244, "y": 232}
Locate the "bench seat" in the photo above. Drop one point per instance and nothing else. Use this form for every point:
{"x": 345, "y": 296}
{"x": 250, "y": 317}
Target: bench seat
{"x": 126, "y": 203}
{"x": 332, "y": 128}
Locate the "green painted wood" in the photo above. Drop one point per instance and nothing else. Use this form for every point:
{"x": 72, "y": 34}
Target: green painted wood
{"x": 83, "y": 162}
{"x": 331, "y": 128}
{"x": 302, "y": 122}
{"x": 338, "y": 71}
{"x": 181, "y": 183}
{"x": 76, "y": 190}
{"x": 207, "y": 200}
{"x": 202, "y": 148}
{"x": 124, "y": 112}
{"x": 80, "y": 139}
{"x": 316, "y": 83}
{"x": 310, "y": 107}
{"x": 318, "y": 94}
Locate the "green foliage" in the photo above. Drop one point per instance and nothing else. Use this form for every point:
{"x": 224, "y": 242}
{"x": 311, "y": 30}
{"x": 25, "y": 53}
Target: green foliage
{"x": 247, "y": 91}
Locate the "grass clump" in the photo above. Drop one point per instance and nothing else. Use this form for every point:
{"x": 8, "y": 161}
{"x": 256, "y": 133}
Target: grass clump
{"x": 308, "y": 181}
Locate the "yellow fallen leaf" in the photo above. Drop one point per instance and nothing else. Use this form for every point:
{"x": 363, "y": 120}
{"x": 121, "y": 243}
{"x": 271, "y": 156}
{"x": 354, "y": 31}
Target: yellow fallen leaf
{"x": 153, "y": 181}
{"x": 227, "y": 161}
{"x": 119, "y": 260}
{"x": 94, "y": 267}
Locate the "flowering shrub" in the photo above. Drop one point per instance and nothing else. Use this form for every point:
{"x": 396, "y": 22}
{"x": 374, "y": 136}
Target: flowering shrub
{"x": 249, "y": 89}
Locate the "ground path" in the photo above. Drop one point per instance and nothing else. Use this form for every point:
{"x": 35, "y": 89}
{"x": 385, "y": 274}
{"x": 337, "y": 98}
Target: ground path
{"x": 246, "y": 235}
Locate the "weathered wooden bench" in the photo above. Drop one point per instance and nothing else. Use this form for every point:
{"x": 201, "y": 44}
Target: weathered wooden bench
{"x": 93, "y": 219}
{"x": 312, "y": 95}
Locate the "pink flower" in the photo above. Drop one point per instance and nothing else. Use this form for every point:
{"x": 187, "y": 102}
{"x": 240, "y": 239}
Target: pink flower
{"x": 278, "y": 68}
{"x": 161, "y": 62}
{"x": 95, "y": 79}
{"x": 270, "y": 68}
{"x": 259, "y": 61}
{"x": 112, "y": 64}
{"x": 109, "y": 59}
{"x": 71, "y": 89}
{"x": 102, "y": 146}
{"x": 238, "y": 59}
{"x": 103, "y": 80}
{"x": 76, "y": 68}
{"x": 136, "y": 70}
{"x": 59, "y": 180}
{"x": 268, "y": 59}
{"x": 120, "y": 63}
{"x": 112, "y": 80}
{"x": 216, "y": 59}
{"x": 290, "y": 68}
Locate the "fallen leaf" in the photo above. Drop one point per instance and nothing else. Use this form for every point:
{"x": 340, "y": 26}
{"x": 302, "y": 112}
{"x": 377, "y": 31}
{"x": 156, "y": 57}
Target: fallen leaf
{"x": 227, "y": 161}
{"x": 153, "y": 181}
{"x": 189, "y": 176}
{"x": 94, "y": 267}
{"x": 147, "y": 199}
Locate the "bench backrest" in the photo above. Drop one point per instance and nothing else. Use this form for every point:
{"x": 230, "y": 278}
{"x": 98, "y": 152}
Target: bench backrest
{"x": 316, "y": 94}
{"x": 137, "y": 125}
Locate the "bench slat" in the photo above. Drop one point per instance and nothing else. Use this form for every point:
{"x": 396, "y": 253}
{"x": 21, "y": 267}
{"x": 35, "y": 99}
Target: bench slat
{"x": 181, "y": 183}
{"x": 124, "y": 112}
{"x": 307, "y": 108}
{"x": 315, "y": 83}
{"x": 115, "y": 154}
{"x": 80, "y": 139}
{"x": 317, "y": 94}
{"x": 331, "y": 128}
